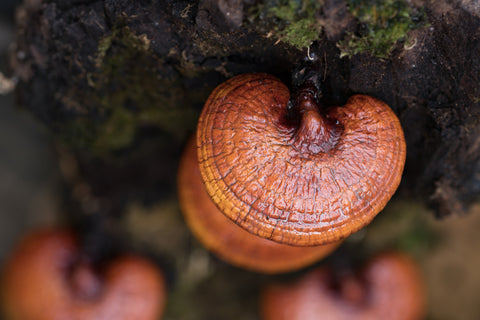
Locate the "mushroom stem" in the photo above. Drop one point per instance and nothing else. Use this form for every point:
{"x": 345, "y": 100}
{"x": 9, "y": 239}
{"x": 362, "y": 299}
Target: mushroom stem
{"x": 316, "y": 132}
{"x": 86, "y": 283}
{"x": 352, "y": 290}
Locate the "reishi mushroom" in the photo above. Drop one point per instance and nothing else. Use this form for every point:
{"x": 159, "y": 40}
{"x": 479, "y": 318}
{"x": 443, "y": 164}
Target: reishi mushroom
{"x": 227, "y": 240}
{"x": 389, "y": 287}
{"x": 291, "y": 170}
{"x": 46, "y": 278}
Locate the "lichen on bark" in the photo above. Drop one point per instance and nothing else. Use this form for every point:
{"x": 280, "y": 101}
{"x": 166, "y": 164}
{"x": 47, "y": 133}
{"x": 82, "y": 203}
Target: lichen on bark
{"x": 132, "y": 92}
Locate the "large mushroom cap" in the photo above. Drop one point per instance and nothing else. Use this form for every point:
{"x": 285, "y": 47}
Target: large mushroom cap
{"x": 226, "y": 239}
{"x": 296, "y": 173}
{"x": 44, "y": 279}
{"x": 389, "y": 287}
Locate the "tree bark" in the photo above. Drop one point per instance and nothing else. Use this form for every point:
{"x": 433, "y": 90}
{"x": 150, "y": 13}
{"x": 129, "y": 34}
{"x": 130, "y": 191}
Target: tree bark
{"x": 122, "y": 82}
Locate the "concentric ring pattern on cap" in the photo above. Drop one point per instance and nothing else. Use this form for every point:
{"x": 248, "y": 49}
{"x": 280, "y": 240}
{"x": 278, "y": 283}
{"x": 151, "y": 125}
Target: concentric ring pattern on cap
{"x": 257, "y": 178}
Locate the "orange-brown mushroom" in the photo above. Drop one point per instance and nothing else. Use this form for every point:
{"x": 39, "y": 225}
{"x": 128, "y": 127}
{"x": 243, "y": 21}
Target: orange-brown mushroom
{"x": 46, "y": 279}
{"x": 227, "y": 240}
{"x": 291, "y": 170}
{"x": 389, "y": 287}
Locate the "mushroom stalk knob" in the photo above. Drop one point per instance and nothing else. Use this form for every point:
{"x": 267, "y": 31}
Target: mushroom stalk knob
{"x": 316, "y": 132}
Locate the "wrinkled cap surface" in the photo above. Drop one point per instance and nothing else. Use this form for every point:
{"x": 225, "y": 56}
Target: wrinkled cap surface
{"x": 280, "y": 173}
{"x": 229, "y": 241}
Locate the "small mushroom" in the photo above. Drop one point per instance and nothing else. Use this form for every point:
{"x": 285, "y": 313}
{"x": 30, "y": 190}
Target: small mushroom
{"x": 46, "y": 278}
{"x": 389, "y": 287}
{"x": 227, "y": 240}
{"x": 292, "y": 170}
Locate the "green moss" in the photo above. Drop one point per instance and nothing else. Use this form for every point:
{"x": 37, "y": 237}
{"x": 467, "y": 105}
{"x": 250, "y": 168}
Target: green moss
{"x": 301, "y": 34}
{"x": 127, "y": 92}
{"x": 293, "y": 22}
{"x": 383, "y": 23}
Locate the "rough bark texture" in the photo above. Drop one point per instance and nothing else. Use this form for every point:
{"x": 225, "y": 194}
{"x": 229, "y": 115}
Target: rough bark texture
{"x": 122, "y": 82}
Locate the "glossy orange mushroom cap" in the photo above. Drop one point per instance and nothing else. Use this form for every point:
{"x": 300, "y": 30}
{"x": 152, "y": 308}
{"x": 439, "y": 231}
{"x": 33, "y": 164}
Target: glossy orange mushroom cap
{"x": 293, "y": 171}
{"x": 389, "y": 287}
{"x": 45, "y": 279}
{"x": 226, "y": 239}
